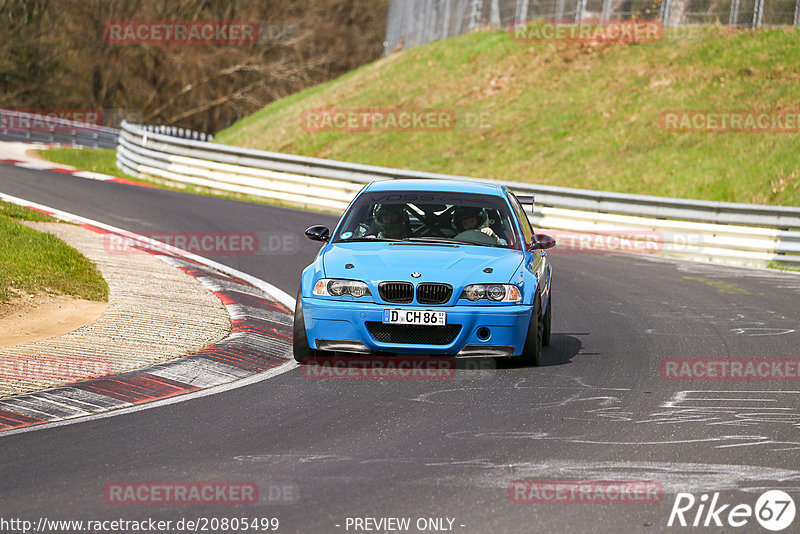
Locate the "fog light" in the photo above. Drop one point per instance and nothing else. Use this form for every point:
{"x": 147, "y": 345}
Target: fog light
{"x": 483, "y": 333}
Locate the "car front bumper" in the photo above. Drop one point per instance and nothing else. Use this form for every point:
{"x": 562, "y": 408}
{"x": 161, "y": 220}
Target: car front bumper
{"x": 342, "y": 326}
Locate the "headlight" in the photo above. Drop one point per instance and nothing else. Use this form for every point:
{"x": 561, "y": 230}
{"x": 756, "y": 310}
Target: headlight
{"x": 496, "y": 293}
{"x": 493, "y": 292}
{"x": 475, "y": 292}
{"x": 336, "y": 288}
{"x": 331, "y": 287}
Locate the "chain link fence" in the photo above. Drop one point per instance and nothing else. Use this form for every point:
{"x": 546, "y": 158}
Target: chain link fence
{"x": 414, "y": 22}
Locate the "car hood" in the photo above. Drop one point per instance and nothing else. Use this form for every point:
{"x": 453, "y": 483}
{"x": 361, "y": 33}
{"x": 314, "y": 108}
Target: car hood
{"x": 456, "y": 265}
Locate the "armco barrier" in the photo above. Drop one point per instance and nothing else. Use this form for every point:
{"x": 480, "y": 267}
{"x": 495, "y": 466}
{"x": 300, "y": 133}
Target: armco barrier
{"x": 740, "y": 234}
{"x": 15, "y": 126}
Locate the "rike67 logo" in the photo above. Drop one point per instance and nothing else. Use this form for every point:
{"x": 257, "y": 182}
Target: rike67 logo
{"x": 774, "y": 510}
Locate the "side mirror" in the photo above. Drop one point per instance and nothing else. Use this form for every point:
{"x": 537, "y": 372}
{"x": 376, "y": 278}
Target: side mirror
{"x": 318, "y": 233}
{"x": 542, "y": 241}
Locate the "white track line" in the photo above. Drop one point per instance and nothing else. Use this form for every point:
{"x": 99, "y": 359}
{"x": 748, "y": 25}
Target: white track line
{"x": 280, "y": 295}
{"x": 254, "y": 379}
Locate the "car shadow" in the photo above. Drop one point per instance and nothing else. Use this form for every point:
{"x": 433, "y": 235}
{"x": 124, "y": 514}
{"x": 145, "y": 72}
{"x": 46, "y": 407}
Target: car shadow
{"x": 562, "y": 348}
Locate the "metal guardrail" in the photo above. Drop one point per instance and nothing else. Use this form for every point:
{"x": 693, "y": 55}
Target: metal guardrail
{"x": 726, "y": 232}
{"x": 35, "y": 128}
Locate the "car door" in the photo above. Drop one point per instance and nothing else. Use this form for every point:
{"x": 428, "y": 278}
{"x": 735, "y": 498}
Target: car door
{"x": 535, "y": 260}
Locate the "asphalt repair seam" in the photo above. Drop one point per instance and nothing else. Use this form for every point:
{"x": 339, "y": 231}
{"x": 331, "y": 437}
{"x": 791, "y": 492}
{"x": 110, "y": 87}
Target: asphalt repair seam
{"x": 260, "y": 340}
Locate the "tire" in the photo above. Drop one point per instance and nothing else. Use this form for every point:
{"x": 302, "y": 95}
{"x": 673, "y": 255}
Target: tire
{"x": 302, "y": 351}
{"x": 547, "y": 320}
{"x": 532, "y": 352}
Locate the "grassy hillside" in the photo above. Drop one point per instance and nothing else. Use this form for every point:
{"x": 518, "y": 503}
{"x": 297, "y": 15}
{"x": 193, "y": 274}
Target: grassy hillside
{"x": 568, "y": 113}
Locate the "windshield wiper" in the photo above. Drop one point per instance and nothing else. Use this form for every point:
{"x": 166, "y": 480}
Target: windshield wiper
{"x": 434, "y": 240}
{"x": 362, "y": 239}
{"x": 443, "y": 240}
{"x": 448, "y": 240}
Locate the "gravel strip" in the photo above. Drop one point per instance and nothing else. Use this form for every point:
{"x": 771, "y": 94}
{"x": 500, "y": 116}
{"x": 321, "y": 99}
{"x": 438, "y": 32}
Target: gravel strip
{"x": 156, "y": 313}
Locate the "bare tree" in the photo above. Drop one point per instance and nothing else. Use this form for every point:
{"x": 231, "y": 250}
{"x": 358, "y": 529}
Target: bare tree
{"x": 59, "y": 56}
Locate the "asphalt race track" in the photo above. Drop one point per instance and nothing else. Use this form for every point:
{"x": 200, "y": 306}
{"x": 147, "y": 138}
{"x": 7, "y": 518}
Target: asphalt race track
{"x": 598, "y": 409}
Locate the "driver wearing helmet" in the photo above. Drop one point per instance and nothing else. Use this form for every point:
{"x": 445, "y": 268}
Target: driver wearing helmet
{"x": 391, "y": 221}
{"x": 473, "y": 218}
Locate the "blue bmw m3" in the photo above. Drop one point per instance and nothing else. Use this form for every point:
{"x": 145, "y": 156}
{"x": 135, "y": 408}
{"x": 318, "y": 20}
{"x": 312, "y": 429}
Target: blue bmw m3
{"x": 431, "y": 267}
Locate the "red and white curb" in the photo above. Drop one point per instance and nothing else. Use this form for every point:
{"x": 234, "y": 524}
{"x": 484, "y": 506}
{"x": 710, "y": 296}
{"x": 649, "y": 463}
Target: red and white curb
{"x": 45, "y": 166}
{"x": 260, "y": 341}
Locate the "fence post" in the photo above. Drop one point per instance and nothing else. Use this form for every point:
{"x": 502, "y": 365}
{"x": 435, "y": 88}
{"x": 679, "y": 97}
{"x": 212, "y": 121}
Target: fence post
{"x": 796, "y": 14}
{"x": 494, "y": 15}
{"x": 732, "y": 20}
{"x": 666, "y": 12}
{"x": 446, "y": 20}
{"x": 758, "y": 14}
{"x": 606, "y": 11}
{"x": 522, "y": 10}
{"x": 429, "y": 24}
{"x": 417, "y": 22}
{"x": 560, "y": 10}
{"x": 475, "y": 16}
{"x": 409, "y": 22}
{"x": 579, "y": 10}
{"x": 390, "y": 28}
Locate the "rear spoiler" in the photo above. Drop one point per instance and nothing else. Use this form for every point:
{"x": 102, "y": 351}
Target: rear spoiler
{"x": 526, "y": 199}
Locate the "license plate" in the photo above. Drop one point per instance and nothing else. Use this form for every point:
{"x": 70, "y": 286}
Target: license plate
{"x": 424, "y": 317}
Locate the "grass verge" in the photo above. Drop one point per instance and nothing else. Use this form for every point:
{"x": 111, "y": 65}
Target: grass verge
{"x": 101, "y": 160}
{"x": 576, "y": 114}
{"x": 32, "y": 261}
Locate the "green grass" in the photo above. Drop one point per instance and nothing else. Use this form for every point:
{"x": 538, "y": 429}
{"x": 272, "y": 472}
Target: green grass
{"x": 34, "y": 262}
{"x": 568, "y": 113}
{"x": 101, "y": 160}
{"x": 783, "y": 266}
{"x": 20, "y": 213}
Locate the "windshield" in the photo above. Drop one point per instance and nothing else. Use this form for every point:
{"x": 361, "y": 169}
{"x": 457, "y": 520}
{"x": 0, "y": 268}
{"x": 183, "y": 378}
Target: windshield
{"x": 417, "y": 216}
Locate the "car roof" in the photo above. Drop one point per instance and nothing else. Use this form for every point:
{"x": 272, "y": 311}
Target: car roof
{"x": 423, "y": 184}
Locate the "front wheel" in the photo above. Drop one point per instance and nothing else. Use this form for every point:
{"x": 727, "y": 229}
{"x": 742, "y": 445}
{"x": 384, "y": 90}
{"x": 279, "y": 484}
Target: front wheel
{"x": 302, "y": 351}
{"x": 532, "y": 351}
